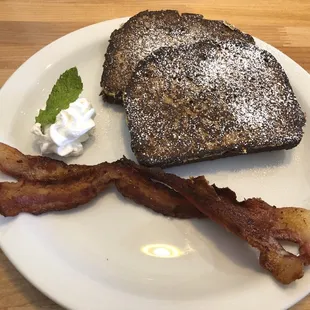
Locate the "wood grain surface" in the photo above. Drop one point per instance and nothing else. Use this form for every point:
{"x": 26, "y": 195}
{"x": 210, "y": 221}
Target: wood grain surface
{"x": 28, "y": 25}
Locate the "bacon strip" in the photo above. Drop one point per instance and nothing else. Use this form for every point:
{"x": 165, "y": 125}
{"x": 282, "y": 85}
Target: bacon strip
{"x": 253, "y": 220}
{"x": 49, "y": 185}
{"x": 37, "y": 168}
{"x": 41, "y": 189}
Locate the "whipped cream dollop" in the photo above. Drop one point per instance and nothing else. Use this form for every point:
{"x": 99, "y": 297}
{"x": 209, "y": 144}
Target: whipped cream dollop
{"x": 73, "y": 126}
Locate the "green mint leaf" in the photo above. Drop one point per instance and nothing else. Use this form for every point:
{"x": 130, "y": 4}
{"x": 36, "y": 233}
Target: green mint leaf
{"x": 66, "y": 90}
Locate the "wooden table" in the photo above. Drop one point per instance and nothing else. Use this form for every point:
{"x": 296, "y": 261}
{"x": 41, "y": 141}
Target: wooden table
{"x": 28, "y": 25}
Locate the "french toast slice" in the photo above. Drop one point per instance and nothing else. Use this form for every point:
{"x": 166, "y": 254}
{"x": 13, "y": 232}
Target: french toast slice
{"x": 149, "y": 30}
{"x": 210, "y": 100}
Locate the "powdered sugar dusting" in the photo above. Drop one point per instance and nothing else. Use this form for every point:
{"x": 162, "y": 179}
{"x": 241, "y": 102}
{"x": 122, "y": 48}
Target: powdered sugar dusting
{"x": 210, "y": 100}
{"x": 246, "y": 74}
{"x": 148, "y": 31}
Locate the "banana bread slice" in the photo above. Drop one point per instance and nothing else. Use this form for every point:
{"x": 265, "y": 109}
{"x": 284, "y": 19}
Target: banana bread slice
{"x": 209, "y": 100}
{"x": 149, "y": 30}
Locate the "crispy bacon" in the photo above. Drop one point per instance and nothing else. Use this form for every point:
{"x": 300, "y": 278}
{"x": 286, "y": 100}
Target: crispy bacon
{"x": 38, "y": 197}
{"x": 48, "y": 185}
{"x": 253, "y": 220}
{"x": 37, "y": 168}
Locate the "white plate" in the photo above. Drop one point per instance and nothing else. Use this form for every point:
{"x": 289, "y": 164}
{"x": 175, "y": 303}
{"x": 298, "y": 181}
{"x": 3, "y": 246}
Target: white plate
{"x": 91, "y": 257}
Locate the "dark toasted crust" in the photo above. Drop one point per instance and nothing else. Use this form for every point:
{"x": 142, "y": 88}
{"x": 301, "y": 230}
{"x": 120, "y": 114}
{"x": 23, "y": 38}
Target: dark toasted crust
{"x": 210, "y": 100}
{"x": 148, "y": 31}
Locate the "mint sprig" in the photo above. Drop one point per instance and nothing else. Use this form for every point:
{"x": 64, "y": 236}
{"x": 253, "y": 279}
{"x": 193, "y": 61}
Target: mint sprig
{"x": 66, "y": 90}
